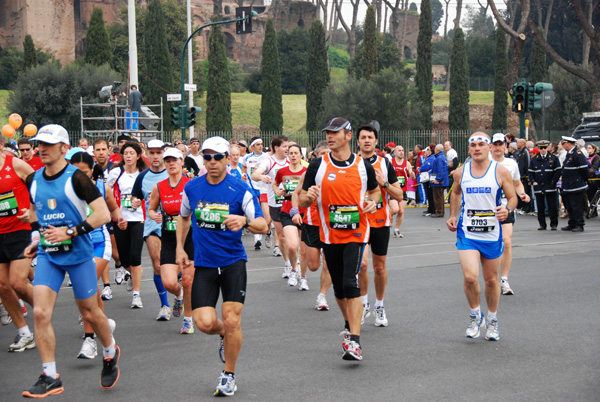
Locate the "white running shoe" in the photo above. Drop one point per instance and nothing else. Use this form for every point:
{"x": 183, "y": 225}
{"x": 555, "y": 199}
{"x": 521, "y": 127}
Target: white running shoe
{"x": 136, "y": 302}
{"x": 506, "y": 290}
{"x": 293, "y": 279}
{"x": 397, "y": 234}
{"x": 129, "y": 286}
{"x": 366, "y": 312}
{"x": 268, "y": 241}
{"x": 353, "y": 351}
{"x": 5, "y": 318}
{"x": 346, "y": 334}
{"x": 89, "y": 349}
{"x": 119, "y": 275}
{"x": 164, "y": 314}
{"x": 303, "y": 284}
{"x": 277, "y": 252}
{"x": 226, "y": 385}
{"x": 106, "y": 293}
{"x": 286, "y": 272}
{"x": 475, "y": 324}
{"x": 321, "y": 303}
{"x": 380, "y": 317}
{"x": 22, "y": 342}
{"x": 492, "y": 333}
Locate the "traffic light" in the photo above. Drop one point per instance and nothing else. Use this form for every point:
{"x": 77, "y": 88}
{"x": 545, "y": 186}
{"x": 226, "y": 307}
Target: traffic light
{"x": 176, "y": 116}
{"x": 519, "y": 97}
{"x": 191, "y": 115}
{"x": 535, "y": 95}
{"x": 245, "y": 25}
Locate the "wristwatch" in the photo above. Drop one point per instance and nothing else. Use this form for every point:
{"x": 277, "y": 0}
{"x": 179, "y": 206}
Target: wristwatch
{"x": 70, "y": 232}
{"x": 248, "y": 223}
{"x": 386, "y": 184}
{"x": 509, "y": 211}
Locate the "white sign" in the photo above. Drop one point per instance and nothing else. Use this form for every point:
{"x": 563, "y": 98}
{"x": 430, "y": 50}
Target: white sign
{"x": 190, "y": 87}
{"x": 173, "y": 97}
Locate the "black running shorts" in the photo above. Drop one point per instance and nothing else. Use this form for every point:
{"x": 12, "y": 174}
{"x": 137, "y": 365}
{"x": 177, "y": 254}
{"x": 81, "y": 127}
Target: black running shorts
{"x": 510, "y": 219}
{"x": 343, "y": 261}
{"x": 169, "y": 245}
{"x": 379, "y": 240}
{"x": 310, "y": 236}
{"x": 13, "y": 245}
{"x": 230, "y": 280}
{"x": 286, "y": 220}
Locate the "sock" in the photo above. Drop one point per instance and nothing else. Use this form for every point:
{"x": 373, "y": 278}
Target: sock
{"x": 504, "y": 278}
{"x": 25, "y": 331}
{"x": 229, "y": 373}
{"x": 107, "y": 285}
{"x": 288, "y": 263}
{"x": 50, "y": 369}
{"x": 257, "y": 237}
{"x": 109, "y": 352}
{"x": 365, "y": 299}
{"x": 89, "y": 335}
{"x": 355, "y": 338}
{"x": 162, "y": 292}
{"x": 187, "y": 319}
{"x": 303, "y": 277}
{"x": 321, "y": 294}
{"x": 476, "y": 310}
{"x": 347, "y": 325}
{"x": 378, "y": 303}
{"x": 136, "y": 293}
{"x": 492, "y": 315}
{"x": 118, "y": 266}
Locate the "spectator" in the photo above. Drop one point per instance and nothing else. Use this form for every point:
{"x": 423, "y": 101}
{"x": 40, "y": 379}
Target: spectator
{"x": 425, "y": 177}
{"x": 135, "y": 99}
{"x": 440, "y": 181}
{"x": 83, "y": 143}
{"x": 419, "y": 154}
{"x": 581, "y": 146}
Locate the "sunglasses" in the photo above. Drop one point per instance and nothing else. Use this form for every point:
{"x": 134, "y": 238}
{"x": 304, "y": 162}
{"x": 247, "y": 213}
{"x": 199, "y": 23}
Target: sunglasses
{"x": 542, "y": 147}
{"x": 25, "y": 149}
{"x": 209, "y": 157}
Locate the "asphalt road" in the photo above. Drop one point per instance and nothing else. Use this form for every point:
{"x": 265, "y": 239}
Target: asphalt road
{"x": 549, "y": 349}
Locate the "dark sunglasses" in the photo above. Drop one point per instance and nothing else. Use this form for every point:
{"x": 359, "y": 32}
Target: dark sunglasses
{"x": 209, "y": 157}
{"x": 542, "y": 147}
{"x": 25, "y": 149}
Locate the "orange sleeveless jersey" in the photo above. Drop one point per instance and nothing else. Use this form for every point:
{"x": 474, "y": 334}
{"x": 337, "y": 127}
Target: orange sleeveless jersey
{"x": 340, "y": 202}
{"x": 381, "y": 217}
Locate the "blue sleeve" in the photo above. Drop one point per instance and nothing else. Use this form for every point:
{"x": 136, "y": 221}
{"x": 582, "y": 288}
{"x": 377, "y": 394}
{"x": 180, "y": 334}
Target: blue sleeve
{"x": 136, "y": 191}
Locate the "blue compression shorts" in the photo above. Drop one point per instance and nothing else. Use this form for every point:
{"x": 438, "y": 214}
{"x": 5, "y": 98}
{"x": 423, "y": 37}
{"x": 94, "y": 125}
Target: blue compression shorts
{"x": 83, "y": 276}
{"x": 488, "y": 249}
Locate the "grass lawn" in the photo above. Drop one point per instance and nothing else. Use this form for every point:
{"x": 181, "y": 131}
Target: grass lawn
{"x": 442, "y": 98}
{"x": 3, "y": 106}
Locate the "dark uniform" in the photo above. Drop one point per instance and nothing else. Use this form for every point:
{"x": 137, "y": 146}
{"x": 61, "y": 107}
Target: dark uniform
{"x": 544, "y": 172}
{"x": 574, "y": 185}
{"x": 523, "y": 161}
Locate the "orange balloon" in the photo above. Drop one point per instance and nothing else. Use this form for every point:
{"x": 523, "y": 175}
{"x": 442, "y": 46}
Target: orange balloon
{"x": 8, "y": 130}
{"x": 30, "y": 130}
{"x": 15, "y": 120}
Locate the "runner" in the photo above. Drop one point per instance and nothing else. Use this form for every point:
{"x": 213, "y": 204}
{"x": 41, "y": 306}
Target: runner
{"x": 167, "y": 195}
{"x": 219, "y": 206}
{"x": 27, "y": 153}
{"x": 249, "y": 164}
{"x": 140, "y": 193}
{"x": 60, "y": 195}
{"x": 379, "y": 221}
{"x": 339, "y": 182}
{"x": 404, "y": 172}
{"x": 480, "y": 183}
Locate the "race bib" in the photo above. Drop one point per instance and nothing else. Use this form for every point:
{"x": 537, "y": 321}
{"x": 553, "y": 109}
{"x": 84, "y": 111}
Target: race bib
{"x": 402, "y": 180}
{"x": 290, "y": 185}
{"x": 51, "y": 248}
{"x": 170, "y": 222}
{"x": 481, "y": 220}
{"x": 8, "y": 204}
{"x": 209, "y": 215}
{"x": 344, "y": 217}
{"x": 126, "y": 200}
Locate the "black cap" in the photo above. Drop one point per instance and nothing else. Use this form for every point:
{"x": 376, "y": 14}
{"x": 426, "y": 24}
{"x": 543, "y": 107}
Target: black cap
{"x": 336, "y": 124}
{"x": 194, "y": 140}
{"x": 372, "y": 126}
{"x": 123, "y": 137}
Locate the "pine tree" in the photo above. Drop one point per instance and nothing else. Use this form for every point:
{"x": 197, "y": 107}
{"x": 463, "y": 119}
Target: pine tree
{"x": 97, "y": 43}
{"x": 499, "y": 122}
{"x": 458, "y": 113}
{"x": 424, "y": 76}
{"x": 370, "y": 45}
{"x": 29, "y": 53}
{"x": 271, "y": 107}
{"x": 318, "y": 74}
{"x": 218, "y": 91}
{"x": 157, "y": 61}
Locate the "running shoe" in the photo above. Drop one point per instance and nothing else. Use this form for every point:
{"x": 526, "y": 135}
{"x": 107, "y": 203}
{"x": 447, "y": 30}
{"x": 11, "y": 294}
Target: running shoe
{"x": 23, "y": 307}
{"x": 257, "y": 245}
{"x": 268, "y": 241}
{"x": 136, "y": 302}
{"x": 226, "y": 385}
{"x": 45, "y": 386}
{"x": 129, "y": 281}
{"x": 366, "y": 312}
{"x": 106, "y": 293}
{"x": 110, "y": 370}
{"x": 321, "y": 303}
{"x": 286, "y": 272}
{"x": 22, "y": 342}
{"x": 187, "y": 327}
{"x": 475, "y": 324}
{"x": 89, "y": 349}
{"x": 293, "y": 279}
{"x": 506, "y": 290}
{"x": 119, "y": 275}
{"x": 276, "y": 252}
{"x": 353, "y": 351}
{"x": 397, "y": 234}
{"x": 5, "y": 318}
{"x": 221, "y": 349}
{"x": 492, "y": 333}
{"x": 346, "y": 340}
{"x": 303, "y": 284}
{"x": 164, "y": 314}
{"x": 380, "y": 317}
{"x": 177, "y": 307}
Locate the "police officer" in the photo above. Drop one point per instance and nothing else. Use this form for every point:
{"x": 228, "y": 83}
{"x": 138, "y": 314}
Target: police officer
{"x": 574, "y": 184}
{"x": 544, "y": 172}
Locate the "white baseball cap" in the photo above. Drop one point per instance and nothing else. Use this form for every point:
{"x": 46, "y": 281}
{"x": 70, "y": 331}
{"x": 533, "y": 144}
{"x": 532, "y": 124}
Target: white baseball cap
{"x": 498, "y": 137}
{"x": 217, "y": 144}
{"x": 52, "y": 134}
{"x": 173, "y": 153}
{"x": 155, "y": 144}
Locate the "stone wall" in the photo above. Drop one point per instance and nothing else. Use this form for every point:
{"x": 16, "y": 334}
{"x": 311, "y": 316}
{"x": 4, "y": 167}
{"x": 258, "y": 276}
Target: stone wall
{"x": 480, "y": 118}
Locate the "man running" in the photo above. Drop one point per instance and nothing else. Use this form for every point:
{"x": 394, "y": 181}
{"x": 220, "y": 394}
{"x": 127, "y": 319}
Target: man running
{"x": 28, "y": 155}
{"x": 480, "y": 183}
{"x": 403, "y": 172}
{"x": 249, "y": 164}
{"x": 60, "y": 196}
{"x": 219, "y": 206}
{"x": 345, "y": 188}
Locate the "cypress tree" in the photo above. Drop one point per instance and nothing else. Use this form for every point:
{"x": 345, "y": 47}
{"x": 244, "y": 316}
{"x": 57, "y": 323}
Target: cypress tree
{"x": 424, "y": 76}
{"x": 501, "y": 69}
{"x": 458, "y": 114}
{"x": 370, "y": 45}
{"x": 157, "y": 62}
{"x": 317, "y": 78}
{"x": 539, "y": 73}
{"x": 271, "y": 107}
{"x": 97, "y": 43}
{"x": 218, "y": 91}
{"x": 29, "y": 53}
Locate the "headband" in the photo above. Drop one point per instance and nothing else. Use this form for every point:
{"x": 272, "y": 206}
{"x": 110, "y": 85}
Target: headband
{"x": 12, "y": 151}
{"x": 255, "y": 141}
{"x": 479, "y": 138}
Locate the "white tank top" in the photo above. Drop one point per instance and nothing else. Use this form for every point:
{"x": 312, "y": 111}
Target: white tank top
{"x": 480, "y": 195}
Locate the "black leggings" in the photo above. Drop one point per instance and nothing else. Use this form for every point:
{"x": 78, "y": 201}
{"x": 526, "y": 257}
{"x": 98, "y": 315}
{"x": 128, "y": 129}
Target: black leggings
{"x": 343, "y": 261}
{"x": 129, "y": 243}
